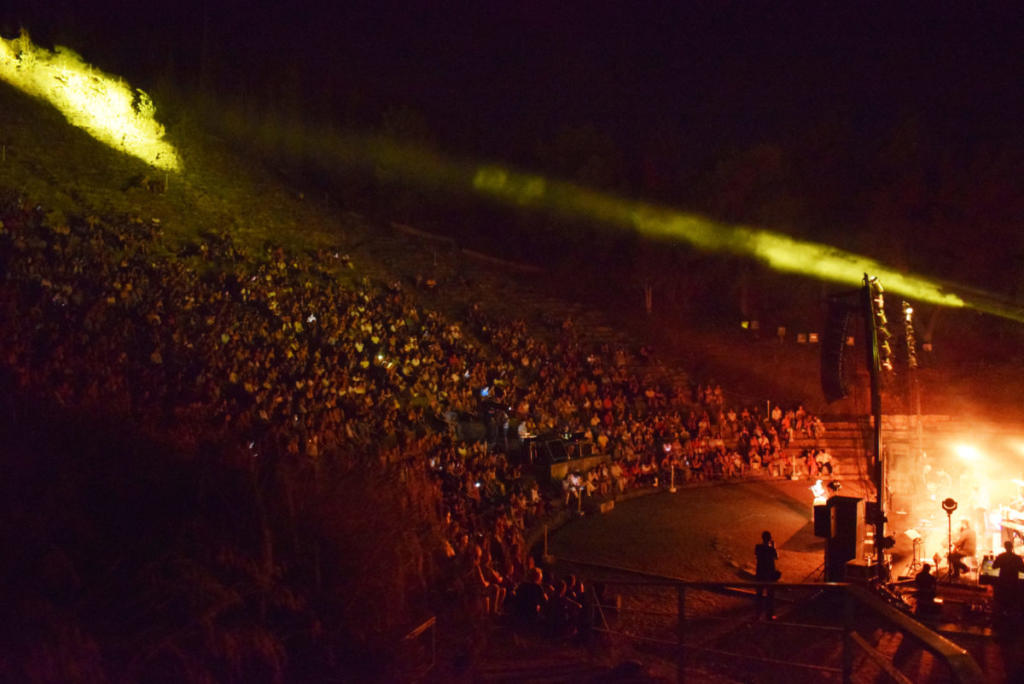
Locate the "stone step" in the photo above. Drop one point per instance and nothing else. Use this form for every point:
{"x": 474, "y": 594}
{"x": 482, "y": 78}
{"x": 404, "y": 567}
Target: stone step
{"x": 837, "y": 452}
{"x": 543, "y": 670}
{"x": 846, "y": 425}
{"x": 840, "y": 442}
{"x": 833, "y": 436}
{"x": 844, "y": 445}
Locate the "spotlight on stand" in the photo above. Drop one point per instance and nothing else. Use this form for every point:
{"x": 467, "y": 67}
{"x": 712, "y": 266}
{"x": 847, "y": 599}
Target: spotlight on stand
{"x": 949, "y": 505}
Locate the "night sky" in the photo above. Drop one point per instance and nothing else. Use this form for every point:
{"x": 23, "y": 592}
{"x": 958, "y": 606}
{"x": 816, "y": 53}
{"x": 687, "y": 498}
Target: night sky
{"x": 723, "y": 72}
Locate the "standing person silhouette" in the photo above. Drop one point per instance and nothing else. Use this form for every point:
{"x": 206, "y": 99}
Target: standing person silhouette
{"x": 926, "y": 586}
{"x": 1007, "y": 589}
{"x": 766, "y": 556}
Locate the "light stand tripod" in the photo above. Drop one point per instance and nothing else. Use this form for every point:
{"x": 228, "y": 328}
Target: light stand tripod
{"x": 949, "y": 505}
{"x": 915, "y": 559}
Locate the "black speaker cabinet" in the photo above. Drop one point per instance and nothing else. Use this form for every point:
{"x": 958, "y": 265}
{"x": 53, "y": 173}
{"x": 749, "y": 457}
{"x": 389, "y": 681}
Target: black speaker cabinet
{"x": 833, "y": 343}
{"x": 822, "y": 521}
{"x": 860, "y": 570}
{"x": 845, "y": 536}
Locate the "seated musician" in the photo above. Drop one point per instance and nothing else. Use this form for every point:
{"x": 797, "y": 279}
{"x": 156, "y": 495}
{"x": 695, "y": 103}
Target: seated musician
{"x": 965, "y": 546}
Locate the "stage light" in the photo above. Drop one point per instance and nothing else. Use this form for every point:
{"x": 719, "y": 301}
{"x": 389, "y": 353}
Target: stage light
{"x": 882, "y": 354}
{"x": 967, "y": 452}
{"x": 908, "y": 333}
{"x": 102, "y": 105}
{"x": 880, "y": 320}
{"x": 995, "y": 519}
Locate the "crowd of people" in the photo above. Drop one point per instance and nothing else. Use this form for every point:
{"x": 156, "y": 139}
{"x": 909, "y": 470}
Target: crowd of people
{"x": 277, "y": 351}
{"x": 704, "y": 449}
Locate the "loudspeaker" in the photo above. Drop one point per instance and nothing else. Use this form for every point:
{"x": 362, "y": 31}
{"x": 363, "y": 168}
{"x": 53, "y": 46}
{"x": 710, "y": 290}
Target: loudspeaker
{"x": 556, "y": 449}
{"x": 822, "y": 523}
{"x": 833, "y": 342}
{"x": 846, "y": 534}
{"x": 860, "y": 570}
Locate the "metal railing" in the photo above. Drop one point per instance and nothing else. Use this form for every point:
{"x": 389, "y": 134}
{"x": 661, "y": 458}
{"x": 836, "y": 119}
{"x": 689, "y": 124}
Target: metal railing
{"x": 685, "y": 637}
{"x": 417, "y": 653}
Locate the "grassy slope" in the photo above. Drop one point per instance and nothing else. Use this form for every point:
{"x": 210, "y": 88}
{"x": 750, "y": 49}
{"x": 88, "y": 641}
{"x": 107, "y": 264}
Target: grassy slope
{"x": 65, "y": 170}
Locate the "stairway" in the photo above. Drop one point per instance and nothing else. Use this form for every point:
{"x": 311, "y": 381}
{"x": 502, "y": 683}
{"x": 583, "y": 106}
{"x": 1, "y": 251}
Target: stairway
{"x": 848, "y": 441}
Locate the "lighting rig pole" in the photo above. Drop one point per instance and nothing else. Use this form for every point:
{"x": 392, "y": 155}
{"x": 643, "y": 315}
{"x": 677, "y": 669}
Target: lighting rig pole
{"x": 879, "y": 356}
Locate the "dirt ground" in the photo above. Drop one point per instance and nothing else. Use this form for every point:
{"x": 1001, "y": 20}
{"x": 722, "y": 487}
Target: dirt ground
{"x": 708, "y": 534}
{"x": 703, "y": 533}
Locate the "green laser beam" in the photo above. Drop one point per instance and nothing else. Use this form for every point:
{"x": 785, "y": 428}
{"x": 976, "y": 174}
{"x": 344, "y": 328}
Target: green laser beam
{"x": 432, "y": 169}
{"x": 778, "y": 251}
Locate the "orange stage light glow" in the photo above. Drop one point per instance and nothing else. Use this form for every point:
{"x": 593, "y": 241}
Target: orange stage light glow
{"x": 967, "y": 452}
{"x": 982, "y": 471}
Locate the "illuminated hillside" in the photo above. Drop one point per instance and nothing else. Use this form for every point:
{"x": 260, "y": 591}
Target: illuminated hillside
{"x": 107, "y": 108}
